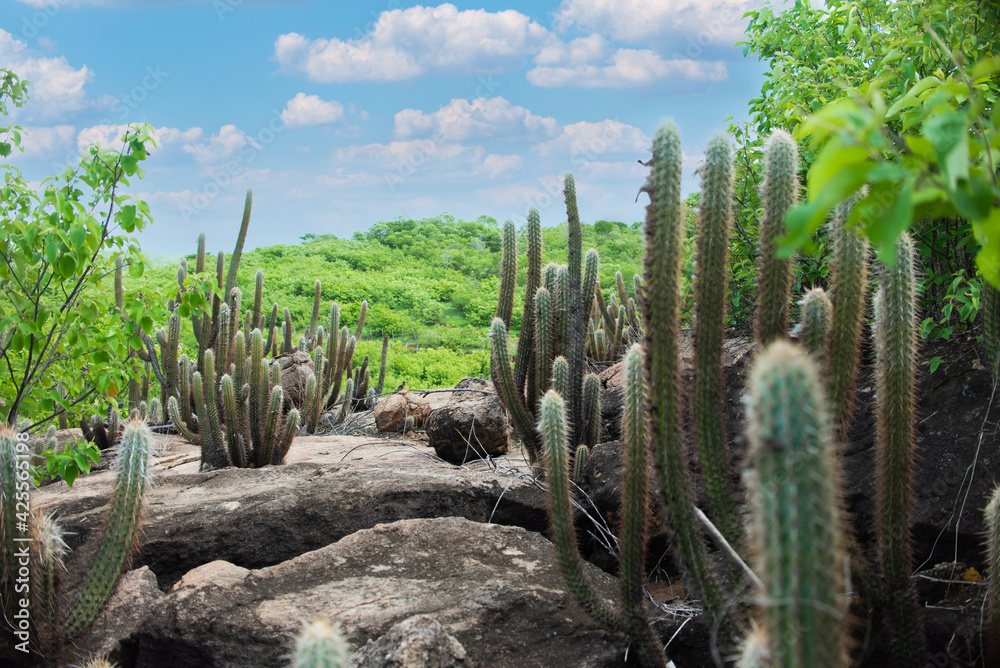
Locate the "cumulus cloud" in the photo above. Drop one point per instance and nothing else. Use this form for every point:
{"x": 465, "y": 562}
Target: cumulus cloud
{"x": 479, "y": 118}
{"x": 406, "y": 43}
{"x": 41, "y": 142}
{"x": 221, "y": 145}
{"x": 109, "y": 136}
{"x": 589, "y": 140}
{"x": 651, "y": 21}
{"x": 57, "y": 89}
{"x": 627, "y": 68}
{"x": 495, "y": 166}
{"x": 304, "y": 110}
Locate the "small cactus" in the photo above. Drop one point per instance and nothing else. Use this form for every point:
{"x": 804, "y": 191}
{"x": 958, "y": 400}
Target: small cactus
{"x": 320, "y": 645}
{"x": 815, "y": 322}
{"x": 132, "y": 471}
{"x": 992, "y": 628}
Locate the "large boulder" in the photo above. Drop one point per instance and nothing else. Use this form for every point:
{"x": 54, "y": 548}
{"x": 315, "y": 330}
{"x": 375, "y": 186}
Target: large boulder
{"x": 329, "y": 488}
{"x": 468, "y": 430}
{"x": 467, "y": 593}
{"x": 391, "y": 412}
{"x": 295, "y": 370}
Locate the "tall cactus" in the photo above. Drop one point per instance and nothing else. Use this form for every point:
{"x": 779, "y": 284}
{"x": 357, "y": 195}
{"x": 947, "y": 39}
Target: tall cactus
{"x": 635, "y": 509}
{"x": 508, "y": 272}
{"x": 895, "y": 334}
{"x": 661, "y": 314}
{"x": 524, "y": 364}
{"x": 132, "y": 471}
{"x": 714, "y": 227}
{"x": 848, "y": 284}
{"x": 577, "y": 319}
{"x": 797, "y": 525}
{"x": 779, "y": 192}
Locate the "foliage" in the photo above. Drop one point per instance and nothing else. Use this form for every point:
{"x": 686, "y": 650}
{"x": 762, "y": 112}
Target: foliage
{"x": 896, "y": 97}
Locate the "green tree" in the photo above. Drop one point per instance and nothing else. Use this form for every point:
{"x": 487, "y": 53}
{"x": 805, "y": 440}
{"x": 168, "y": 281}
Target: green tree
{"x": 68, "y": 336}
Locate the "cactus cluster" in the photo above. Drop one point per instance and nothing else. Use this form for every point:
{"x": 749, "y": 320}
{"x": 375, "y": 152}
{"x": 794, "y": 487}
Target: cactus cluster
{"x": 615, "y": 323}
{"x": 550, "y": 351}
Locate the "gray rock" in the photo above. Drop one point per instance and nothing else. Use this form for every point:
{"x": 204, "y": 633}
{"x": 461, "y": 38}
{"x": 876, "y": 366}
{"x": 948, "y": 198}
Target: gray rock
{"x": 469, "y": 430}
{"x": 295, "y": 370}
{"x": 495, "y": 592}
{"x": 417, "y": 642}
{"x": 331, "y": 487}
{"x": 392, "y": 411}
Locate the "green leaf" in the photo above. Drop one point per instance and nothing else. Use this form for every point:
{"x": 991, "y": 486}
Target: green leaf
{"x": 67, "y": 266}
{"x": 987, "y": 233}
{"x": 77, "y": 235}
{"x": 934, "y": 363}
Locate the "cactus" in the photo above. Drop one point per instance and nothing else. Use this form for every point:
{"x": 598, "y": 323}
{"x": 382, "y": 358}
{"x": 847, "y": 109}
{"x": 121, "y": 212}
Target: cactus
{"x": 543, "y": 342}
{"x": 661, "y": 315}
{"x": 48, "y": 569}
{"x": 576, "y": 327}
{"x": 313, "y": 332}
{"x": 895, "y": 334}
{"x": 992, "y": 629}
{"x": 381, "y": 368}
{"x": 714, "y": 227}
{"x": 580, "y": 462}
{"x": 798, "y": 529}
{"x": 320, "y": 645}
{"x": 408, "y": 424}
{"x": 635, "y": 509}
{"x": 524, "y": 360}
{"x": 555, "y": 434}
{"x": 508, "y": 272}
{"x": 104, "y": 435}
{"x": 848, "y": 283}
{"x": 779, "y": 192}
{"x": 592, "y": 409}
{"x": 560, "y": 376}
{"x": 815, "y": 322}
{"x": 132, "y": 470}
{"x": 13, "y": 479}
{"x": 513, "y": 402}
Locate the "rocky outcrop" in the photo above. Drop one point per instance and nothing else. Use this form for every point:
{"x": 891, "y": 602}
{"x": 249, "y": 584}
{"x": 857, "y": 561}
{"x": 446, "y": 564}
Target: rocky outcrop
{"x": 329, "y": 488}
{"x": 468, "y": 430}
{"x": 392, "y": 411}
{"x": 295, "y": 370}
{"x": 493, "y": 597}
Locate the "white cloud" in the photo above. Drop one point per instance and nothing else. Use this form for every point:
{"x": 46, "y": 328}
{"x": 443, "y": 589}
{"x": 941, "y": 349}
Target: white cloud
{"x": 304, "y": 110}
{"x": 697, "y": 22}
{"x": 480, "y": 118}
{"x": 589, "y": 140}
{"x": 579, "y": 51}
{"x": 406, "y": 43}
{"x": 415, "y": 153}
{"x": 109, "y": 136}
{"x": 57, "y": 89}
{"x": 221, "y": 145}
{"x": 45, "y": 142}
{"x": 495, "y": 165}
{"x": 628, "y": 68}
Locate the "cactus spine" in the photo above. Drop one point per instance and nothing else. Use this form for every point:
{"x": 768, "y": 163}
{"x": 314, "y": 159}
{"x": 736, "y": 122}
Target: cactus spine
{"x": 848, "y": 283}
{"x": 993, "y": 579}
{"x": 661, "y": 314}
{"x": 500, "y": 362}
{"x": 592, "y": 409}
{"x": 815, "y": 322}
{"x": 715, "y": 225}
{"x": 895, "y": 333}
{"x": 635, "y": 509}
{"x": 779, "y": 192}
{"x": 527, "y": 345}
{"x": 796, "y": 504}
{"x": 132, "y": 470}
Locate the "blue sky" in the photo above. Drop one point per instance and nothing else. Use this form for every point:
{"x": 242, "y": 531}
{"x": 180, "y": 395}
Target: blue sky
{"x": 342, "y": 114}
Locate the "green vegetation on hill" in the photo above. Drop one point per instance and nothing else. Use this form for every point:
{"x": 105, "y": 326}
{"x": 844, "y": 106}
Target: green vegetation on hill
{"x": 432, "y": 286}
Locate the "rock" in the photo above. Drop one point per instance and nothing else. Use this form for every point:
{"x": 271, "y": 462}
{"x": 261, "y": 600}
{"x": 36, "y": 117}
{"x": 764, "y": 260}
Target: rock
{"x": 391, "y": 412}
{"x": 330, "y": 487}
{"x": 127, "y": 608}
{"x": 416, "y": 642}
{"x": 495, "y": 593}
{"x": 295, "y": 370}
{"x": 469, "y": 430}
